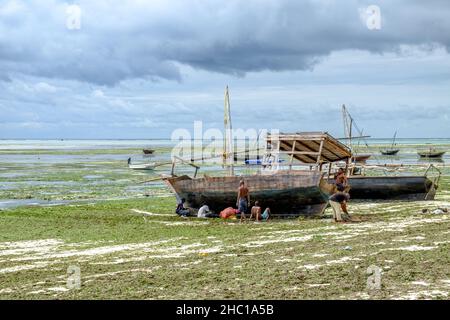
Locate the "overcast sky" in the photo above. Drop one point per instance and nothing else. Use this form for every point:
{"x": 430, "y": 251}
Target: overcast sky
{"x": 141, "y": 69}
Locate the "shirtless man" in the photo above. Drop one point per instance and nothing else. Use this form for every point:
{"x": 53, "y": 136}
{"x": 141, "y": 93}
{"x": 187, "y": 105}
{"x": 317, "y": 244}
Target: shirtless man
{"x": 341, "y": 178}
{"x": 338, "y": 202}
{"x": 256, "y": 211}
{"x": 243, "y": 199}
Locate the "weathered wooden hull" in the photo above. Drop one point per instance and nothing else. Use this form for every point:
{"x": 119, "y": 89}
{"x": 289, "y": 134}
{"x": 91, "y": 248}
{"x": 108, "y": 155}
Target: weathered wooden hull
{"x": 391, "y": 188}
{"x": 287, "y": 194}
{"x": 361, "y": 157}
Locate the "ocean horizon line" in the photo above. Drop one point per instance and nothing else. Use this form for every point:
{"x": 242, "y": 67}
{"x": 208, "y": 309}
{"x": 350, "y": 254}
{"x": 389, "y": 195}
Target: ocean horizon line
{"x": 169, "y": 139}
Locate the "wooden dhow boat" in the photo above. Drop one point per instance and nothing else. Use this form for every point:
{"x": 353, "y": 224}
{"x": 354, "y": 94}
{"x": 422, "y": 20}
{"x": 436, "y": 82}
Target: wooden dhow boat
{"x": 390, "y": 151}
{"x": 360, "y": 157}
{"x": 431, "y": 153}
{"x": 410, "y": 187}
{"x": 141, "y": 166}
{"x": 380, "y": 187}
{"x": 288, "y": 193}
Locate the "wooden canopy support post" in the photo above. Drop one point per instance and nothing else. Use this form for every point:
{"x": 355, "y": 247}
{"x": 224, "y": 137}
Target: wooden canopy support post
{"x": 196, "y": 170}
{"x": 319, "y": 156}
{"x": 329, "y": 169}
{"x": 292, "y": 155}
{"x": 172, "y": 172}
{"x": 347, "y": 163}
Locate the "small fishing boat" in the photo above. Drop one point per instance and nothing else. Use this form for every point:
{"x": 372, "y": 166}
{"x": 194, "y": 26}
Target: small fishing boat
{"x": 361, "y": 157}
{"x": 148, "y": 151}
{"x": 431, "y": 153}
{"x": 141, "y": 166}
{"x": 390, "y": 151}
{"x": 149, "y": 166}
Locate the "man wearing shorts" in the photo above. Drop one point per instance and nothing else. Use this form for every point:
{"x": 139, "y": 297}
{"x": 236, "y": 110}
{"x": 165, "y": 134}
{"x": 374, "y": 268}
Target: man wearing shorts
{"x": 338, "y": 202}
{"x": 243, "y": 199}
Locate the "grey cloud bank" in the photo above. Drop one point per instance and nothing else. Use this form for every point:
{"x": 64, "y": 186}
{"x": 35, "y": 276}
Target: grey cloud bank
{"x": 144, "y": 68}
{"x": 118, "y": 40}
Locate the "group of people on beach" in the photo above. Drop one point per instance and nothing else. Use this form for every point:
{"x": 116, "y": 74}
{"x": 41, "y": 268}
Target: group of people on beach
{"x": 337, "y": 200}
{"x": 242, "y": 204}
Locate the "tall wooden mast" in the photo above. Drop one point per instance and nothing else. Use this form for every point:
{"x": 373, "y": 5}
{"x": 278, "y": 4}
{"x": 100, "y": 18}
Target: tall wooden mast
{"x": 348, "y": 124}
{"x": 393, "y": 141}
{"x": 228, "y": 152}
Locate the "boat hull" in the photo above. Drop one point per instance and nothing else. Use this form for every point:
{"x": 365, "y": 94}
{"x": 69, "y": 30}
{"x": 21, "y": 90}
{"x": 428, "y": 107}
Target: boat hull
{"x": 431, "y": 155}
{"x": 286, "y": 194}
{"x": 361, "y": 158}
{"x": 392, "y": 188}
{"x": 389, "y": 152}
{"x": 141, "y": 167}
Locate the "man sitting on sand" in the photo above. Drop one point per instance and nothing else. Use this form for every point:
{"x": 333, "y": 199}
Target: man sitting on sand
{"x": 256, "y": 211}
{"x": 266, "y": 214}
{"x": 338, "y": 202}
{"x": 181, "y": 210}
{"x": 203, "y": 211}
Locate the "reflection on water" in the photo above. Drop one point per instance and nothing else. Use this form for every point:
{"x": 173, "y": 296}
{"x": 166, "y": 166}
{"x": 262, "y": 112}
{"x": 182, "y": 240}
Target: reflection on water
{"x": 431, "y": 160}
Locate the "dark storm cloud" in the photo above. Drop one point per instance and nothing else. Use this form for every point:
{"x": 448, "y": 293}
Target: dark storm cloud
{"x": 121, "y": 40}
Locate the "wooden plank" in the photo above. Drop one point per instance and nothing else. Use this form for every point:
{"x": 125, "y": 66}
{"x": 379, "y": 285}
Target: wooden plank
{"x": 299, "y": 152}
{"x": 320, "y": 153}
{"x": 298, "y": 158}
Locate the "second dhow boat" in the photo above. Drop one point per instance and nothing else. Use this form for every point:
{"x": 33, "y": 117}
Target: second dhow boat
{"x": 390, "y": 151}
{"x": 431, "y": 153}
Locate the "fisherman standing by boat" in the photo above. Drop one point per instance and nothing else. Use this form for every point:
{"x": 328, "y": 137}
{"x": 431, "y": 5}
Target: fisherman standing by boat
{"x": 243, "y": 199}
{"x": 341, "y": 179}
{"x": 338, "y": 202}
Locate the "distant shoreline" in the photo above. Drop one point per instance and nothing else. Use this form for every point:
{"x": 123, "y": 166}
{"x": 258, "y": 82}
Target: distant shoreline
{"x": 168, "y": 139}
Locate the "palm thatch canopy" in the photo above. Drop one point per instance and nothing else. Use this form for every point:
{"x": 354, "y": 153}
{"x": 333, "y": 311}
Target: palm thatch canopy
{"x": 309, "y": 147}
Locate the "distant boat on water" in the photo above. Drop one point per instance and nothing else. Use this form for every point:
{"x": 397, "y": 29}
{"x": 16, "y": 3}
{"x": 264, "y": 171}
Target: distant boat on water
{"x": 361, "y": 157}
{"x": 390, "y": 151}
{"x": 141, "y": 166}
{"x": 150, "y": 166}
{"x": 431, "y": 153}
